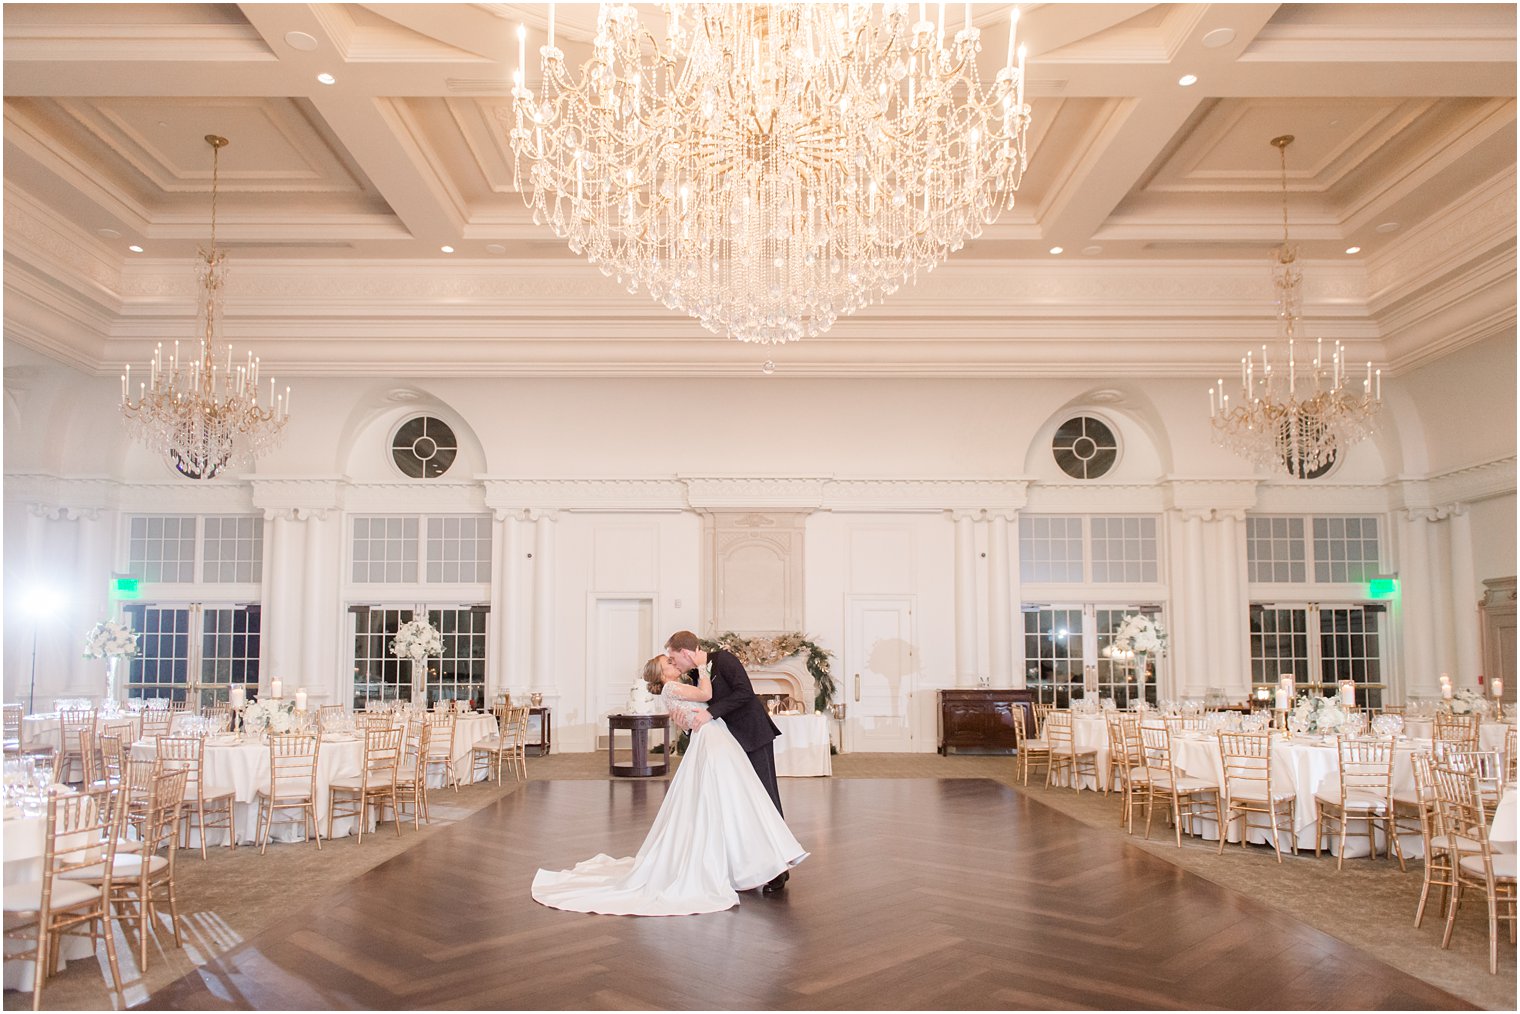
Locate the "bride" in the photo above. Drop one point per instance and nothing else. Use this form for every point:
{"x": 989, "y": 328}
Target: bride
{"x": 717, "y": 832}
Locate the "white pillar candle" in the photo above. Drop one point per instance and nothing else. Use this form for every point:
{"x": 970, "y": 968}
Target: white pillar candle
{"x": 1498, "y": 688}
{"x": 300, "y": 700}
{"x": 1282, "y": 699}
{"x": 1446, "y": 691}
{"x": 1348, "y": 694}
{"x": 236, "y": 697}
{"x": 275, "y": 686}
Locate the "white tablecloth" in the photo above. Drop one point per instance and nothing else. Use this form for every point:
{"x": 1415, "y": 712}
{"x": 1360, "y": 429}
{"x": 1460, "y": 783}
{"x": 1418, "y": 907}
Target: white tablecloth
{"x": 1301, "y": 766}
{"x": 1490, "y": 734}
{"x": 25, "y": 841}
{"x": 1501, "y": 833}
{"x": 469, "y": 729}
{"x": 802, "y": 749}
{"x": 1089, "y": 732}
{"x": 245, "y": 768}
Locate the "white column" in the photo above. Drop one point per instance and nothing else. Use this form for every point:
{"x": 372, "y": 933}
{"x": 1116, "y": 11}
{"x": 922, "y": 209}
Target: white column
{"x": 1232, "y": 603}
{"x": 92, "y": 578}
{"x": 1000, "y": 643}
{"x": 279, "y": 638}
{"x": 965, "y": 599}
{"x": 1438, "y": 602}
{"x": 1195, "y": 670}
{"x": 314, "y": 617}
{"x": 500, "y": 643}
{"x": 1016, "y": 602}
{"x": 1420, "y": 673}
{"x": 1464, "y": 595}
{"x": 541, "y": 673}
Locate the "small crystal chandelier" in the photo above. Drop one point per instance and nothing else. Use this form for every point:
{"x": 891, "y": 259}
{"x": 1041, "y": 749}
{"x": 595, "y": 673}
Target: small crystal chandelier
{"x": 770, "y": 166}
{"x": 1295, "y": 419}
{"x": 199, "y": 413}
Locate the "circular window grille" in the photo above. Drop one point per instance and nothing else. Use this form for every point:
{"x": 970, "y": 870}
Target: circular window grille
{"x": 1299, "y": 469}
{"x": 424, "y": 447}
{"x": 1085, "y": 448}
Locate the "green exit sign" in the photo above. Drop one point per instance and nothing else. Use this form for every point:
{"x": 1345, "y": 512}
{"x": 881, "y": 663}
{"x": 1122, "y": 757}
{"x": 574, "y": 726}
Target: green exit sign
{"x": 1383, "y": 588}
{"x": 125, "y": 588}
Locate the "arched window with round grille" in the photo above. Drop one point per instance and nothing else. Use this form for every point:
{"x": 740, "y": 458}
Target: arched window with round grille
{"x": 1085, "y": 448}
{"x": 424, "y": 447}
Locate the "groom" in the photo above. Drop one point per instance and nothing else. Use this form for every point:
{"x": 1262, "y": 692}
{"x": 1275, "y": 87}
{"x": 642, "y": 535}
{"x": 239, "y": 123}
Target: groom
{"x": 734, "y": 701}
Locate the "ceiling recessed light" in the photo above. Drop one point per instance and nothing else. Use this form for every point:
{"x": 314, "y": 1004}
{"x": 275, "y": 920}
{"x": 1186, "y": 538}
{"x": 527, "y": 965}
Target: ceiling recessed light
{"x": 1218, "y": 37}
{"x": 108, "y": 233}
{"x": 495, "y": 248}
{"x": 300, "y": 40}
{"x": 1187, "y": 79}
{"x": 1353, "y": 249}
{"x": 1057, "y": 249}
{"x": 135, "y": 248}
{"x": 447, "y": 249}
{"x": 327, "y": 78}
{"x": 1389, "y": 227}
{"x": 1091, "y": 251}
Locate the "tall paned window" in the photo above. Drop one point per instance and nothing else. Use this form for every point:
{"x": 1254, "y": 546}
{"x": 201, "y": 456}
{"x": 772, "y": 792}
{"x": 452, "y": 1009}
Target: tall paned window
{"x": 195, "y": 652}
{"x": 1100, "y": 549}
{"x": 421, "y": 550}
{"x": 1066, "y": 655}
{"x": 1321, "y": 645}
{"x": 458, "y": 674}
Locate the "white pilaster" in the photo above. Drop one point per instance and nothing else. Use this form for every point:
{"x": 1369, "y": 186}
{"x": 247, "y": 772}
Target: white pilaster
{"x": 1439, "y": 605}
{"x": 1232, "y": 605}
{"x": 1420, "y": 673}
{"x": 965, "y": 599}
{"x": 281, "y": 620}
{"x": 1000, "y": 642}
{"x": 541, "y": 672}
{"x": 314, "y": 617}
{"x": 1464, "y": 595}
{"x": 1194, "y": 672}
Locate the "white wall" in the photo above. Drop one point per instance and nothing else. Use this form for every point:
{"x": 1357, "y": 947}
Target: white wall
{"x": 934, "y": 446}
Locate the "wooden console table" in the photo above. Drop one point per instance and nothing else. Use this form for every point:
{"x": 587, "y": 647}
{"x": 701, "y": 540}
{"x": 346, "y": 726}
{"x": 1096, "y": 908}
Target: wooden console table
{"x": 982, "y": 719}
{"x": 640, "y": 726}
{"x": 545, "y": 730}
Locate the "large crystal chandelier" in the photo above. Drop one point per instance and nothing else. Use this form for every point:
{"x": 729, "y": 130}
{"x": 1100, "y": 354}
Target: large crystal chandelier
{"x": 200, "y": 413}
{"x": 1297, "y": 414}
{"x": 771, "y": 166}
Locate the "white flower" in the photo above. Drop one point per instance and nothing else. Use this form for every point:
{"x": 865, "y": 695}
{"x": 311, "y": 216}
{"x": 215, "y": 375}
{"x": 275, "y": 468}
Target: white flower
{"x": 417, "y": 640}
{"x": 1317, "y": 715}
{"x": 110, "y": 639}
{"x": 1140, "y": 634}
{"x": 275, "y": 715}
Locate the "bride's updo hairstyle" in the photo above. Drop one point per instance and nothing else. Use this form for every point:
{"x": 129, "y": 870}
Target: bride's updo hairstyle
{"x": 652, "y": 675}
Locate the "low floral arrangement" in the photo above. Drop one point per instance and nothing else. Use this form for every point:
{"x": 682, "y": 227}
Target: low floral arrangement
{"x": 1463, "y": 702}
{"x": 770, "y": 650}
{"x": 274, "y": 715}
{"x": 1321, "y": 715}
{"x": 110, "y": 639}
{"x": 417, "y": 640}
{"x": 1139, "y": 634}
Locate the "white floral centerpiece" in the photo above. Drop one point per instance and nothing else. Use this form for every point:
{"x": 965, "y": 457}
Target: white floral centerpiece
{"x": 112, "y": 641}
{"x": 1463, "y": 702}
{"x": 273, "y": 715}
{"x": 417, "y": 640}
{"x": 1317, "y": 715}
{"x": 1140, "y": 635}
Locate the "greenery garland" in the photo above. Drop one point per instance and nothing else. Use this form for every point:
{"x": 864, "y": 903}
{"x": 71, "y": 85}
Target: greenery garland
{"x": 770, "y": 650}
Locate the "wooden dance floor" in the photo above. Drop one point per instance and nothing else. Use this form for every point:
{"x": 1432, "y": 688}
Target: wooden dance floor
{"x": 920, "y": 894}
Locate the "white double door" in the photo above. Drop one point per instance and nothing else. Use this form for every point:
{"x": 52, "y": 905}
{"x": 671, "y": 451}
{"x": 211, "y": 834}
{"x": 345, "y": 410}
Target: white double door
{"x": 880, "y": 675}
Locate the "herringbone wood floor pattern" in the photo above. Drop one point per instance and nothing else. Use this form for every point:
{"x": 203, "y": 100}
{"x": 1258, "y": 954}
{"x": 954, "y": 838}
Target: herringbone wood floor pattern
{"x": 922, "y": 894}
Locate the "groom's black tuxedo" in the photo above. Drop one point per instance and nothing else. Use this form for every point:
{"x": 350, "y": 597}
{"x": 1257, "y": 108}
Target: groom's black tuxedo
{"x": 734, "y": 701}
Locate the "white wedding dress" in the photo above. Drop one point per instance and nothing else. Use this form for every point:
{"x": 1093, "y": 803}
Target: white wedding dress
{"x": 717, "y": 833}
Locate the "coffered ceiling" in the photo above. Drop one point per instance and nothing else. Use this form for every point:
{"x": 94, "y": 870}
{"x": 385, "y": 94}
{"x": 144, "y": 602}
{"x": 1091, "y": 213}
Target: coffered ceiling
{"x": 1165, "y": 199}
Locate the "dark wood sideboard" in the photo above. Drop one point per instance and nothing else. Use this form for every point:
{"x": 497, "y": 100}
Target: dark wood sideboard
{"x": 982, "y": 719}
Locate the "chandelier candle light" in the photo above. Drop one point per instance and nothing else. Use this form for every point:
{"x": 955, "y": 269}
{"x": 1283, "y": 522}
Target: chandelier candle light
{"x": 197, "y": 411}
{"x": 769, "y": 167}
{"x": 1297, "y": 416}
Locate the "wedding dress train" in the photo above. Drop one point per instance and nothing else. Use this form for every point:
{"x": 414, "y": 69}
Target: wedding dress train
{"x": 717, "y": 833}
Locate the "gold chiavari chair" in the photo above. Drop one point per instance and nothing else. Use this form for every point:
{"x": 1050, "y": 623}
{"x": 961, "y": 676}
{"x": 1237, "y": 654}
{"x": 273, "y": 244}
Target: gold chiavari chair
{"x": 1509, "y": 754}
{"x": 140, "y": 879}
{"x": 1246, "y": 758}
{"x": 1395, "y": 709}
{"x": 1460, "y": 731}
{"x": 1364, "y": 792}
{"x": 1185, "y": 723}
{"x": 111, "y": 760}
{"x": 1041, "y": 712}
{"x": 1186, "y": 797}
{"x": 440, "y": 753}
{"x": 207, "y": 807}
{"x": 14, "y": 713}
{"x": 156, "y": 722}
{"x": 89, "y": 755}
{"x": 70, "y": 724}
{"x": 1064, "y": 755}
{"x": 1028, "y": 749}
{"x": 83, "y": 829}
{"x": 183, "y": 705}
{"x": 366, "y": 720}
{"x": 1478, "y": 867}
{"x": 375, "y": 785}
{"x": 1134, "y": 777}
{"x": 329, "y": 715}
{"x": 292, "y": 784}
{"x": 411, "y": 773}
{"x": 219, "y": 715}
{"x": 1488, "y": 765}
{"x": 1439, "y": 868}
{"x": 137, "y": 795}
{"x": 1116, "y": 753}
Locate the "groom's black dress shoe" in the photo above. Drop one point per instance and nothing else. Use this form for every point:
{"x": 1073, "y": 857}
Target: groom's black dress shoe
{"x": 777, "y": 885}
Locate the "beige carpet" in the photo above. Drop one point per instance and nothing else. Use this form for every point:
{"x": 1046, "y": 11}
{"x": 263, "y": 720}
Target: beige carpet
{"x": 231, "y": 896}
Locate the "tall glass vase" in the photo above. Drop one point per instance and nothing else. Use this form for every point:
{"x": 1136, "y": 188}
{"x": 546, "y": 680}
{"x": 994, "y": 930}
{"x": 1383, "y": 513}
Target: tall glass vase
{"x": 419, "y": 683}
{"x": 112, "y": 661}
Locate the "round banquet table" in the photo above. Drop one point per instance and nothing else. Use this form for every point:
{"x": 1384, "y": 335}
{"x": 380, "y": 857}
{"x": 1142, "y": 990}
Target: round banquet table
{"x": 1491, "y": 735}
{"x": 1501, "y": 832}
{"x": 1301, "y": 765}
{"x": 25, "y": 842}
{"x": 244, "y": 767}
{"x": 802, "y": 750}
{"x": 469, "y": 728}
